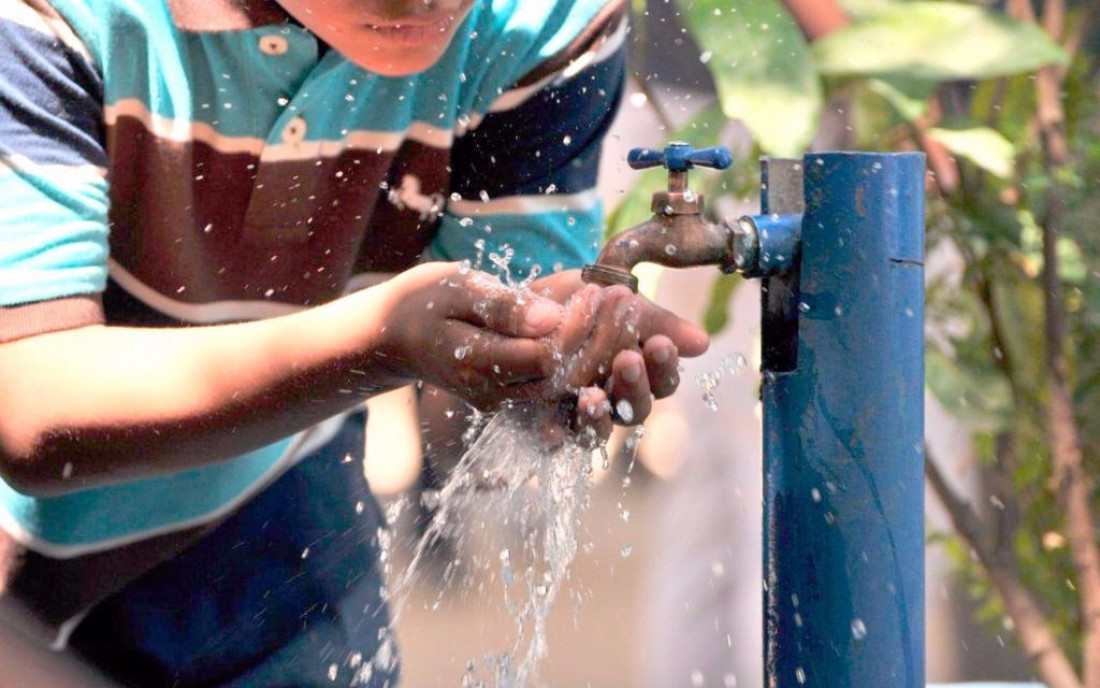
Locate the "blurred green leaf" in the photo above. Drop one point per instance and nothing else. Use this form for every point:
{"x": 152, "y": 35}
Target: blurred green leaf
{"x": 862, "y": 8}
{"x": 716, "y": 316}
{"x": 980, "y": 145}
{"x": 762, "y": 68}
{"x": 908, "y": 97}
{"x": 936, "y": 41}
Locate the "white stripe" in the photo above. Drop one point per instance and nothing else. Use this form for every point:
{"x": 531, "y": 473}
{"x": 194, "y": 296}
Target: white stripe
{"x": 24, "y": 14}
{"x": 22, "y": 163}
{"x": 527, "y": 205}
{"x": 21, "y": 14}
{"x": 181, "y": 130}
{"x": 303, "y": 443}
{"x": 65, "y": 631}
{"x": 603, "y": 51}
{"x": 184, "y": 131}
{"x": 198, "y": 313}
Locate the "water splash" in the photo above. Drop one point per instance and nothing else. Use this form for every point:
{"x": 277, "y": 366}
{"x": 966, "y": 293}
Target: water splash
{"x": 730, "y": 365}
{"x": 513, "y": 459}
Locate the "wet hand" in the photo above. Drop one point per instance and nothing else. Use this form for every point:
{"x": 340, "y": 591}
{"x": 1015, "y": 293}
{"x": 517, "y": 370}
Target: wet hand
{"x": 618, "y": 350}
{"x": 466, "y": 332}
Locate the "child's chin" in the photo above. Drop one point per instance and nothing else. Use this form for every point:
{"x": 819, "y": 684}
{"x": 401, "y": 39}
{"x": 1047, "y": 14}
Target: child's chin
{"x": 398, "y": 63}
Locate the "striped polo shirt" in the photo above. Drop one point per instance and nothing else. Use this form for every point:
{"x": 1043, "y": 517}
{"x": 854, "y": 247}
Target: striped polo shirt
{"x": 175, "y": 162}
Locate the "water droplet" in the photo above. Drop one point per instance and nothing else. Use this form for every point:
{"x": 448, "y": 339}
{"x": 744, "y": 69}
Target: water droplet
{"x": 333, "y": 671}
{"x": 627, "y": 550}
{"x": 625, "y": 410}
{"x": 816, "y": 495}
{"x": 859, "y": 630}
{"x": 566, "y": 140}
{"x": 800, "y": 675}
{"x": 359, "y": 506}
{"x": 305, "y": 552}
{"x": 705, "y": 56}
{"x": 67, "y": 470}
{"x": 670, "y": 249}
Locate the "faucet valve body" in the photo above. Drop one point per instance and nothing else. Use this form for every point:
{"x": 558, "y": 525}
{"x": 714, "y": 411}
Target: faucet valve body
{"x": 676, "y": 235}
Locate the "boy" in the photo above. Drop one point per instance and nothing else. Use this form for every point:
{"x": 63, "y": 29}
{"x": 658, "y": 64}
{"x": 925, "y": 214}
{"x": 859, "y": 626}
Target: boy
{"x": 179, "y": 442}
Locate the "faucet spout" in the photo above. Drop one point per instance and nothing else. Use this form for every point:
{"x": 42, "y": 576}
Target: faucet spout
{"x": 675, "y": 240}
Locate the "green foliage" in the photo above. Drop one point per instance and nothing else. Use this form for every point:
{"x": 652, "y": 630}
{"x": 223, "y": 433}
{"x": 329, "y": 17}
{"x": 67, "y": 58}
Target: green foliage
{"x": 716, "y": 316}
{"x": 935, "y": 41}
{"x": 986, "y": 349}
{"x": 762, "y": 69}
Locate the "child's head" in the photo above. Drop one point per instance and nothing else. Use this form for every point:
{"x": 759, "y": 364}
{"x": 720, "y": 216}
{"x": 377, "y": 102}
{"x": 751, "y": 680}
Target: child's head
{"x": 391, "y": 37}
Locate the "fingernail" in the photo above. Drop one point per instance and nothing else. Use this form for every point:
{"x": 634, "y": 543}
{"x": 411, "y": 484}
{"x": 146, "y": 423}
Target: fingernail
{"x": 596, "y": 410}
{"x": 543, "y": 314}
{"x": 661, "y": 355}
{"x": 633, "y": 372}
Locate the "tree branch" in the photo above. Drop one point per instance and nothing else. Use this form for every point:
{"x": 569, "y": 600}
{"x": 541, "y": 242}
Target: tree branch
{"x": 1074, "y": 488}
{"x": 1031, "y": 625}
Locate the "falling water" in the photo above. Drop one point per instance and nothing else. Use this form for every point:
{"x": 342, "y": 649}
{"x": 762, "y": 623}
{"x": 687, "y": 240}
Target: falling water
{"x": 508, "y": 457}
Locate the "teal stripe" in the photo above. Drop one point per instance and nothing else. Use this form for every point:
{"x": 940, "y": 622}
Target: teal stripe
{"x": 553, "y": 241}
{"x": 120, "y": 511}
{"x": 53, "y": 235}
{"x": 223, "y": 79}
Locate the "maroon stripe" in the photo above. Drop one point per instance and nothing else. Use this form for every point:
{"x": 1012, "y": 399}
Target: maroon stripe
{"x": 197, "y": 225}
{"x": 41, "y": 317}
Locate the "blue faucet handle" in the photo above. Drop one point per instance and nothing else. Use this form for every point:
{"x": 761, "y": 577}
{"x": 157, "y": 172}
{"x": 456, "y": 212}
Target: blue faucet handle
{"x": 642, "y": 158}
{"x": 679, "y": 157}
{"x": 717, "y": 157}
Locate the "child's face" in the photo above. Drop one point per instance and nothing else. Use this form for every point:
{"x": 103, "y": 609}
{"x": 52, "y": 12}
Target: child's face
{"x": 389, "y": 37}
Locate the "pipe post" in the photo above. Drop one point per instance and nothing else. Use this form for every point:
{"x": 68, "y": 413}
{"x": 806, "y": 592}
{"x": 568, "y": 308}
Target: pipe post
{"x": 843, "y": 370}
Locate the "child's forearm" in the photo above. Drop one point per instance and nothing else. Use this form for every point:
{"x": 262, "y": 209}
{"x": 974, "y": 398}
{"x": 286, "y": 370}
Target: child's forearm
{"x": 99, "y": 405}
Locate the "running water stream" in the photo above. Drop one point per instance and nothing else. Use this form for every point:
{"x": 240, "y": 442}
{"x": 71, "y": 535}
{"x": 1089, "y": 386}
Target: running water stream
{"x": 508, "y": 457}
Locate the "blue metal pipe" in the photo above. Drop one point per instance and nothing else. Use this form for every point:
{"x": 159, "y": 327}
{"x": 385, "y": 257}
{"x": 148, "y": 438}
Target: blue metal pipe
{"x": 843, "y": 426}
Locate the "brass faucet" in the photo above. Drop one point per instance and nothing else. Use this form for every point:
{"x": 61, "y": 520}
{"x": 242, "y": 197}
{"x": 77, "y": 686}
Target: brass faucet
{"x": 678, "y": 236}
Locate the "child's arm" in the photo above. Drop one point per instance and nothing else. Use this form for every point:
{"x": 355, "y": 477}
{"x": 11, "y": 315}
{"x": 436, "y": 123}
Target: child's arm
{"x": 97, "y": 404}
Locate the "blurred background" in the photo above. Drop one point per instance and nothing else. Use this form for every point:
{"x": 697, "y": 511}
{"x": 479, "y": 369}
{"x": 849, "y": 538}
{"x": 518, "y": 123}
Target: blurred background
{"x": 665, "y": 589}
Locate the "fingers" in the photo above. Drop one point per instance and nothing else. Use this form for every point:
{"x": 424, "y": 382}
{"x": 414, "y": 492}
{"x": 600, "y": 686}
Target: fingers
{"x": 662, "y": 364}
{"x": 484, "y": 359}
{"x": 599, "y": 324}
{"x": 487, "y": 303}
{"x": 689, "y": 339}
{"x": 593, "y": 420}
{"x": 629, "y": 387}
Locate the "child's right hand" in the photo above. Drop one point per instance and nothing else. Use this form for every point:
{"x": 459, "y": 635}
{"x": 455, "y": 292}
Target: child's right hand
{"x": 464, "y": 331}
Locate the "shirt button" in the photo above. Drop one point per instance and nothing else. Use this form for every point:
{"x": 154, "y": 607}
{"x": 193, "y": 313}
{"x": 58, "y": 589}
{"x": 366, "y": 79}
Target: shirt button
{"x": 273, "y": 45}
{"x": 295, "y": 131}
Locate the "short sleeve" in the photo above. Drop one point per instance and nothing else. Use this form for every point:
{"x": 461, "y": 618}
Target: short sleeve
{"x": 53, "y": 186}
{"x": 524, "y": 176}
